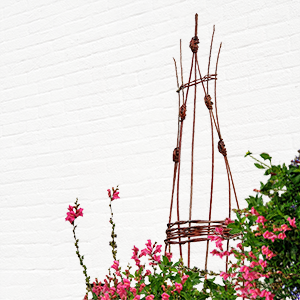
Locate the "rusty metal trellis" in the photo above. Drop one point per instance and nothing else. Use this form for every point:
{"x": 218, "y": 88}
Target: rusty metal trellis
{"x": 185, "y": 232}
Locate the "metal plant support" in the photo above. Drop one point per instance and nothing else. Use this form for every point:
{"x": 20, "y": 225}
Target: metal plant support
{"x": 189, "y": 231}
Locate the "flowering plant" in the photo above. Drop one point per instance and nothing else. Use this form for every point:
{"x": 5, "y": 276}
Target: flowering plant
{"x": 266, "y": 266}
{"x": 270, "y": 267}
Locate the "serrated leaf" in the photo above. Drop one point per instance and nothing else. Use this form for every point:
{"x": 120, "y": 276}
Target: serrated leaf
{"x": 259, "y": 166}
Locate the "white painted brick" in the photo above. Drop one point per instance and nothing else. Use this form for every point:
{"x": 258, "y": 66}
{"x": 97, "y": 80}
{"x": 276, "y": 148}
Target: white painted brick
{"x": 88, "y": 101}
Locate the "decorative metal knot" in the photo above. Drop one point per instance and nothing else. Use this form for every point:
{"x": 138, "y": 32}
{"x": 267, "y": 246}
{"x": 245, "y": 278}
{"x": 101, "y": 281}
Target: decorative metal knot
{"x": 176, "y": 155}
{"x": 194, "y": 44}
{"x": 182, "y": 112}
{"x": 221, "y": 147}
{"x": 208, "y": 102}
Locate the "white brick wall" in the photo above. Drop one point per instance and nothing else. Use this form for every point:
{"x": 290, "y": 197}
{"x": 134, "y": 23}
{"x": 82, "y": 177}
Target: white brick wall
{"x": 88, "y": 102}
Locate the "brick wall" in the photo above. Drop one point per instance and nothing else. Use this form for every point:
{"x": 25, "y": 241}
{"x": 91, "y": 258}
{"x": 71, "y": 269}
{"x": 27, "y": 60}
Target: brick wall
{"x": 88, "y": 102}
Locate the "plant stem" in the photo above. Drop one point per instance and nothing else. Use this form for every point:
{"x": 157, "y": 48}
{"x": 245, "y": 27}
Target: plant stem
{"x": 113, "y": 244}
{"x": 81, "y": 257}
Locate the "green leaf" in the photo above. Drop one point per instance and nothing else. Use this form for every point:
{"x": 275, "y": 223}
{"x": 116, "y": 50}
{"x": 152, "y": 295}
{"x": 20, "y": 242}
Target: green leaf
{"x": 248, "y": 153}
{"x": 235, "y": 230}
{"x": 259, "y": 166}
{"x": 266, "y": 156}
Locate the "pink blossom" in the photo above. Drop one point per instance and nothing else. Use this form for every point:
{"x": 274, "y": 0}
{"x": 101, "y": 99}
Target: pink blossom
{"x": 269, "y": 235}
{"x": 165, "y": 296}
{"x": 157, "y": 249}
{"x": 72, "y": 215}
{"x": 285, "y": 228}
{"x": 252, "y": 255}
{"x": 263, "y": 263}
{"x": 178, "y": 287}
{"x": 115, "y": 195}
{"x": 219, "y": 230}
{"x": 184, "y": 278}
{"x": 268, "y": 295}
{"x": 150, "y": 297}
{"x": 109, "y": 193}
{"x": 266, "y": 251}
{"x": 147, "y": 273}
{"x": 156, "y": 258}
{"x": 169, "y": 256}
{"x": 261, "y": 219}
{"x": 292, "y": 222}
{"x": 228, "y": 221}
{"x": 142, "y": 286}
{"x": 254, "y": 211}
{"x": 282, "y": 235}
{"x": 137, "y": 297}
{"x": 224, "y": 275}
{"x": 115, "y": 265}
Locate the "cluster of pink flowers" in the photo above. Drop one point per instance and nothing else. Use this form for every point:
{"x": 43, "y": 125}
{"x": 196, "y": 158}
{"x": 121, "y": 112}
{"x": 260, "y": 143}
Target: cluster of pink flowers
{"x": 119, "y": 286}
{"x": 114, "y": 194}
{"x": 245, "y": 278}
{"x": 72, "y": 215}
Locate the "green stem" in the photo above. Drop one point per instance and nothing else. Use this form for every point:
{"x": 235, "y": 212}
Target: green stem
{"x": 113, "y": 244}
{"x": 259, "y": 161}
{"x": 81, "y": 257}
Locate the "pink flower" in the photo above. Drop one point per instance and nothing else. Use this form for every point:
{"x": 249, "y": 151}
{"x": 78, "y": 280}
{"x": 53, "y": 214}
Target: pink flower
{"x": 184, "y": 278}
{"x": 266, "y": 251}
{"x": 115, "y": 265}
{"x": 254, "y": 211}
{"x": 219, "y": 230}
{"x": 228, "y": 221}
{"x": 263, "y": 263}
{"x": 142, "y": 286}
{"x": 157, "y": 249}
{"x": 261, "y": 219}
{"x": 150, "y": 297}
{"x": 292, "y": 222}
{"x": 285, "y": 228}
{"x": 147, "y": 273}
{"x": 72, "y": 215}
{"x": 133, "y": 291}
{"x": 269, "y": 235}
{"x": 115, "y": 195}
{"x": 178, "y": 287}
{"x": 156, "y": 258}
{"x": 169, "y": 256}
{"x": 165, "y": 296}
{"x": 224, "y": 275}
{"x": 137, "y": 297}
{"x": 252, "y": 255}
{"x": 281, "y": 236}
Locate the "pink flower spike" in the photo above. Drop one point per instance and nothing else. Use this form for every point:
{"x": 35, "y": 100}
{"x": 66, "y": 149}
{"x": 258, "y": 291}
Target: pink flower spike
{"x": 292, "y": 222}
